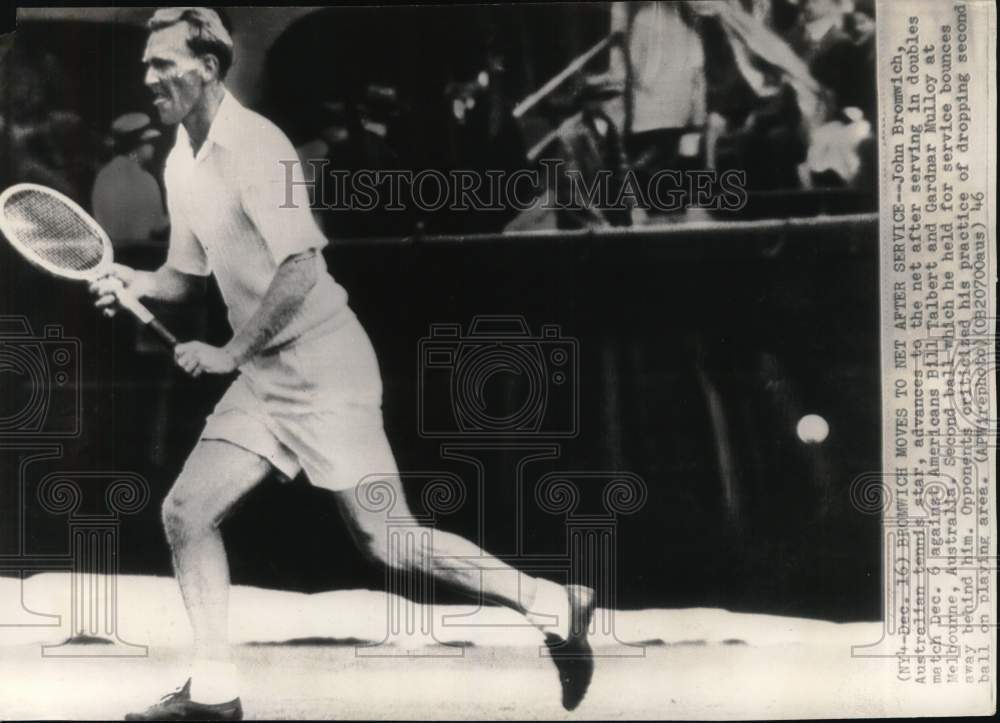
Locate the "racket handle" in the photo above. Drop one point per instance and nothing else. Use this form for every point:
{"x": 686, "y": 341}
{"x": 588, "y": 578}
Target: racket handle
{"x": 162, "y": 333}
{"x": 129, "y": 302}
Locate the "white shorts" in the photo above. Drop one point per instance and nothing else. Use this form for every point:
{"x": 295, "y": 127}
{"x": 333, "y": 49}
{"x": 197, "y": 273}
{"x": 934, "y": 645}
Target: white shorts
{"x": 314, "y": 406}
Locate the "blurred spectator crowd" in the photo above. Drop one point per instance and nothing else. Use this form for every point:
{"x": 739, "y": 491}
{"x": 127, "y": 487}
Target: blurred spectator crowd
{"x": 781, "y": 90}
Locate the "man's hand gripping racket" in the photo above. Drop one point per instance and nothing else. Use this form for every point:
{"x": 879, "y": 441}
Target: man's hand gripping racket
{"x": 194, "y": 357}
{"x": 54, "y": 234}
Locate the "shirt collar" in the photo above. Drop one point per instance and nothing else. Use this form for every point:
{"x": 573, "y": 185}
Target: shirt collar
{"x": 222, "y": 131}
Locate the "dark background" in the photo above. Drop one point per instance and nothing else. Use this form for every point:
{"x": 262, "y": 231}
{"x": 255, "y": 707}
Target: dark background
{"x": 781, "y": 322}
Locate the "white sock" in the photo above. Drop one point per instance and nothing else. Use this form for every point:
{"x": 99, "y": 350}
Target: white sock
{"x": 550, "y": 611}
{"x": 213, "y": 681}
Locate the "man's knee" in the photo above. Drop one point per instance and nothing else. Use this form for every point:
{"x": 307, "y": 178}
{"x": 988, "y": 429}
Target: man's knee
{"x": 214, "y": 477}
{"x": 183, "y": 517}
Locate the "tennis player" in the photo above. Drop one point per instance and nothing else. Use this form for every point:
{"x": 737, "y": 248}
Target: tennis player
{"x": 308, "y": 391}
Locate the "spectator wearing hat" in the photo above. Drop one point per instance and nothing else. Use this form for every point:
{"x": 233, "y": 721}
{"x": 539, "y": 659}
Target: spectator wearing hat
{"x": 126, "y": 198}
{"x": 589, "y": 144}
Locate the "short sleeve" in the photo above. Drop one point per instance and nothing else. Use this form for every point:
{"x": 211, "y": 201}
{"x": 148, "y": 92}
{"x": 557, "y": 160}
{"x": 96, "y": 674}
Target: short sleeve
{"x": 276, "y": 198}
{"x": 184, "y": 253}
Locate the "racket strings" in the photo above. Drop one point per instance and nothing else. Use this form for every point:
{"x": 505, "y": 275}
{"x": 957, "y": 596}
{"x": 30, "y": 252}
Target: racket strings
{"x": 53, "y": 231}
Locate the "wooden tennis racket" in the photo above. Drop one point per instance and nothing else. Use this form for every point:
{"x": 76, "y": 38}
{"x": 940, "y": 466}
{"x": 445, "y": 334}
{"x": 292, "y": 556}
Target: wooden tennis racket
{"x": 54, "y": 234}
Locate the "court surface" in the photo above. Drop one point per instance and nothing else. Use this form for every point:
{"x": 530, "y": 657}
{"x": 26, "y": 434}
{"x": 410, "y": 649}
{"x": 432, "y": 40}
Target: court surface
{"x": 315, "y": 656}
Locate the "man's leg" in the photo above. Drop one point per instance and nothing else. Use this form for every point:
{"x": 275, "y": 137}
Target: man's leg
{"x": 562, "y": 613}
{"x": 501, "y": 582}
{"x": 216, "y": 475}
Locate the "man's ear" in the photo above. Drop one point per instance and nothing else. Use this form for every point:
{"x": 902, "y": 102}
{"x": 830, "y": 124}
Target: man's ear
{"x": 209, "y": 67}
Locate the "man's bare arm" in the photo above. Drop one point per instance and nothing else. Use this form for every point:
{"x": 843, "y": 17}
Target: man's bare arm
{"x": 164, "y": 284}
{"x": 167, "y": 284}
{"x": 292, "y": 282}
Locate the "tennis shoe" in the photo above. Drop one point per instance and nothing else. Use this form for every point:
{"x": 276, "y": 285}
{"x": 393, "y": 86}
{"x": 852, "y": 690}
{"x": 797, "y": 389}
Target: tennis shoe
{"x": 179, "y": 706}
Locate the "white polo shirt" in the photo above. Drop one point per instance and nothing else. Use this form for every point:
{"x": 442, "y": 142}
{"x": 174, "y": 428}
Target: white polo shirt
{"x": 233, "y": 214}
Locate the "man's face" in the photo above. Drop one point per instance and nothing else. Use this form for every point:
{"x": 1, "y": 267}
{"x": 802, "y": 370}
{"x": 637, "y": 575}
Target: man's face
{"x": 144, "y": 154}
{"x": 174, "y": 74}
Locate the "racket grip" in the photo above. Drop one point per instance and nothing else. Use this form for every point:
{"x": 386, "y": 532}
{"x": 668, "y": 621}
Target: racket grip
{"x": 162, "y": 333}
{"x": 129, "y": 302}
